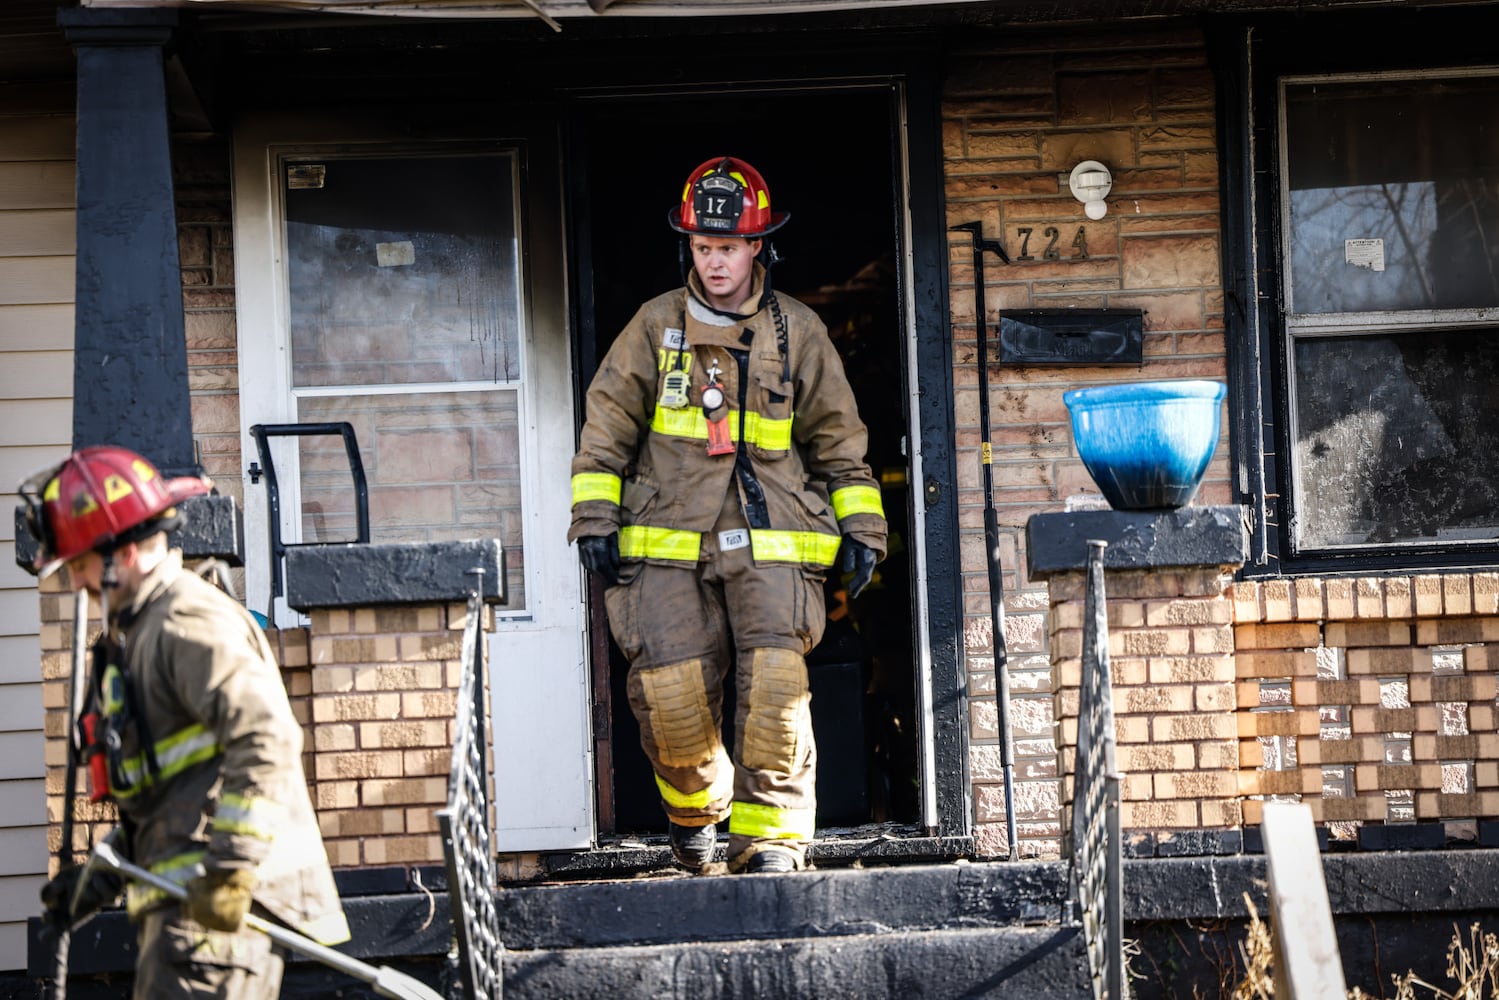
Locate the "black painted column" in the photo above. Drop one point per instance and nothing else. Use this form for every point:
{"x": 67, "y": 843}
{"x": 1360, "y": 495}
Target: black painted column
{"x": 130, "y": 350}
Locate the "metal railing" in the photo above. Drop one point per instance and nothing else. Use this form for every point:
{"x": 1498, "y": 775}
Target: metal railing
{"x": 267, "y": 468}
{"x": 467, "y": 840}
{"x": 1096, "y": 869}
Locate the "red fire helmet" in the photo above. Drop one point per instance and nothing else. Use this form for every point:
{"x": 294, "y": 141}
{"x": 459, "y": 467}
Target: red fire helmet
{"x": 725, "y": 196}
{"x": 96, "y": 496}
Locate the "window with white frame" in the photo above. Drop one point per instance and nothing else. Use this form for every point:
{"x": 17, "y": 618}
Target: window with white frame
{"x": 1390, "y": 226}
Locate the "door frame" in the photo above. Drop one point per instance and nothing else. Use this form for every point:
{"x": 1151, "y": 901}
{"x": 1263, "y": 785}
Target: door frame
{"x": 916, "y": 149}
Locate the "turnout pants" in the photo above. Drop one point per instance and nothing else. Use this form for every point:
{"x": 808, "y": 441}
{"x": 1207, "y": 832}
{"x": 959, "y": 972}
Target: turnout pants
{"x": 180, "y": 958}
{"x": 678, "y": 626}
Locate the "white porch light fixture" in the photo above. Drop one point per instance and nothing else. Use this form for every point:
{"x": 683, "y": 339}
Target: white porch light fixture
{"x": 1090, "y": 183}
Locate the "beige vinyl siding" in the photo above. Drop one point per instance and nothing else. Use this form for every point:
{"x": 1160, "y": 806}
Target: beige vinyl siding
{"x": 37, "y": 243}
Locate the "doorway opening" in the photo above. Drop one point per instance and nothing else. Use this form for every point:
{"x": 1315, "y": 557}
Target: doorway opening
{"x": 838, "y": 254}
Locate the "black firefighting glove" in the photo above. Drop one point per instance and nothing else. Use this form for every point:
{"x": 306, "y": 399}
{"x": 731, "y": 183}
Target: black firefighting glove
{"x": 600, "y": 553}
{"x": 859, "y": 560}
{"x": 61, "y": 910}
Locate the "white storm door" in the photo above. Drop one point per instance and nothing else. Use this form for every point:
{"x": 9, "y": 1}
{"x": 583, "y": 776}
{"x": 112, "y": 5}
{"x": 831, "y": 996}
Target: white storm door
{"x": 416, "y": 291}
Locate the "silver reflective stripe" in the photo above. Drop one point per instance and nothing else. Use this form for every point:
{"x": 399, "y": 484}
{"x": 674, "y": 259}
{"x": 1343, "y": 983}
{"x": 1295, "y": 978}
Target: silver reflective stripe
{"x": 174, "y": 755}
{"x": 254, "y": 817}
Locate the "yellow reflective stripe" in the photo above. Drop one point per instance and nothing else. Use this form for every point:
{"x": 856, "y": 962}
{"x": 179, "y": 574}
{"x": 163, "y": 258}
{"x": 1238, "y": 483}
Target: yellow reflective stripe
{"x": 329, "y": 929}
{"x": 596, "y": 486}
{"x": 751, "y": 819}
{"x": 772, "y": 435}
{"x": 254, "y": 817}
{"x": 174, "y": 755}
{"x": 768, "y": 545}
{"x": 179, "y": 869}
{"x": 723, "y": 786}
{"x": 857, "y": 500}
{"x": 689, "y": 422}
{"x": 638, "y": 541}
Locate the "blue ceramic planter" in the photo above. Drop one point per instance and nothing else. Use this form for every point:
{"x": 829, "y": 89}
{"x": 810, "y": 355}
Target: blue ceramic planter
{"x": 1146, "y": 444}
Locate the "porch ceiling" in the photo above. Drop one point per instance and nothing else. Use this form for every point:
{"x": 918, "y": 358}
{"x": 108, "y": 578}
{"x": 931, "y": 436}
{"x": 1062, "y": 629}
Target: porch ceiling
{"x": 32, "y": 48}
{"x": 558, "y": 12}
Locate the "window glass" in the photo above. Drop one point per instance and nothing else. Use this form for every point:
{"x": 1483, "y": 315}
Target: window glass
{"x": 1393, "y": 194}
{"x": 403, "y": 270}
{"x": 1391, "y": 211}
{"x": 439, "y": 466}
{"x": 1398, "y": 438}
{"x": 405, "y": 317}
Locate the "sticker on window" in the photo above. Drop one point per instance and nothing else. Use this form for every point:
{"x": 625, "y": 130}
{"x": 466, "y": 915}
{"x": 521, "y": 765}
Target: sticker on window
{"x": 305, "y": 176}
{"x": 1367, "y": 253}
{"x": 395, "y": 254}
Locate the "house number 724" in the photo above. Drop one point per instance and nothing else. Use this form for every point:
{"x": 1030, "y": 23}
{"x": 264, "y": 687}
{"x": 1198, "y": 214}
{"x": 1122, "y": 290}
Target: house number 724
{"x": 1052, "y": 234}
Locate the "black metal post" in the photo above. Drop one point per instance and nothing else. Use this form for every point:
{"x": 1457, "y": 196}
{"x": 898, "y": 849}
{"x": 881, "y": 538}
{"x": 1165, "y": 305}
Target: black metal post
{"x": 991, "y": 527}
{"x": 130, "y": 349}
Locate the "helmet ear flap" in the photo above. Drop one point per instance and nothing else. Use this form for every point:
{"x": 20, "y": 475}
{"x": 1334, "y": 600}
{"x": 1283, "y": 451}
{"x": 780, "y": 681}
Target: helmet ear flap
{"x": 33, "y": 516}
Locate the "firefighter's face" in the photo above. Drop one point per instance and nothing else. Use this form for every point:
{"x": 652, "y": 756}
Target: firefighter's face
{"x": 724, "y": 265}
{"x": 86, "y": 572}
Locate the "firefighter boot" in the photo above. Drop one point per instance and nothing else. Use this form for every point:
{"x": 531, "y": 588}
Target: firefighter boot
{"x": 693, "y": 846}
{"x": 771, "y": 859}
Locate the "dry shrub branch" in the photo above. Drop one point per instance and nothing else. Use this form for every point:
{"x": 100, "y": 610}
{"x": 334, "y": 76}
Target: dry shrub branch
{"x": 1473, "y": 965}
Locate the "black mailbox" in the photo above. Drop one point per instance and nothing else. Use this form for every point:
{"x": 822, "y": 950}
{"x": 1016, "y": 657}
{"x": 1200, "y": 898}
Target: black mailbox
{"x": 1071, "y": 337}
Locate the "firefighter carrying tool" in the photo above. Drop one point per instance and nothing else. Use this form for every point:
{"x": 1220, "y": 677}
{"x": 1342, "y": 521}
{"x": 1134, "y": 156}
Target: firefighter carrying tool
{"x": 719, "y": 471}
{"x": 385, "y": 981}
{"x": 201, "y": 753}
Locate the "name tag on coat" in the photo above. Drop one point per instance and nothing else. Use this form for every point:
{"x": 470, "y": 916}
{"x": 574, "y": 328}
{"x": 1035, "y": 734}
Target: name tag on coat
{"x": 734, "y": 538}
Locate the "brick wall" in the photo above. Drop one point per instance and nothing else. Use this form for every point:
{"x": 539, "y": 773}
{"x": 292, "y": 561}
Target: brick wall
{"x": 375, "y": 690}
{"x": 1019, "y": 112}
{"x": 1171, "y": 659}
{"x": 92, "y": 820}
{"x": 384, "y": 703}
{"x": 1371, "y": 699}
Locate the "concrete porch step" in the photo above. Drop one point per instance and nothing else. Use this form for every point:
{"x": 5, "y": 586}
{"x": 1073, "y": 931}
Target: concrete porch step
{"x": 954, "y": 929}
{"x": 949, "y": 930}
{"x": 1035, "y": 963}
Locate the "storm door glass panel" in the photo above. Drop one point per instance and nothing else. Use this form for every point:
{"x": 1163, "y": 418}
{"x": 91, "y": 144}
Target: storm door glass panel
{"x": 1393, "y": 194}
{"x": 405, "y": 316}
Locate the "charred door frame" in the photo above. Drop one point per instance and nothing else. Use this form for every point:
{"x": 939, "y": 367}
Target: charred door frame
{"x": 946, "y": 791}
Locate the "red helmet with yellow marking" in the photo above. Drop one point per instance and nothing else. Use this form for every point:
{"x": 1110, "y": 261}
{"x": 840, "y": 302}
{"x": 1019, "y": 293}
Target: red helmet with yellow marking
{"x": 725, "y": 196}
{"x": 96, "y": 499}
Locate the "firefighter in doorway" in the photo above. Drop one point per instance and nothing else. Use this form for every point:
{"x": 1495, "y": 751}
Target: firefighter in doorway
{"x": 193, "y": 740}
{"x": 720, "y": 469}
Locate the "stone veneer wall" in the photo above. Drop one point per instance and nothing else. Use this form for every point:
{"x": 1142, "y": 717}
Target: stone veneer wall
{"x": 1020, "y": 109}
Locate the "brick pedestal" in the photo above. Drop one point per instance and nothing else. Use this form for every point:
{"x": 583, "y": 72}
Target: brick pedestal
{"x": 1171, "y": 649}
